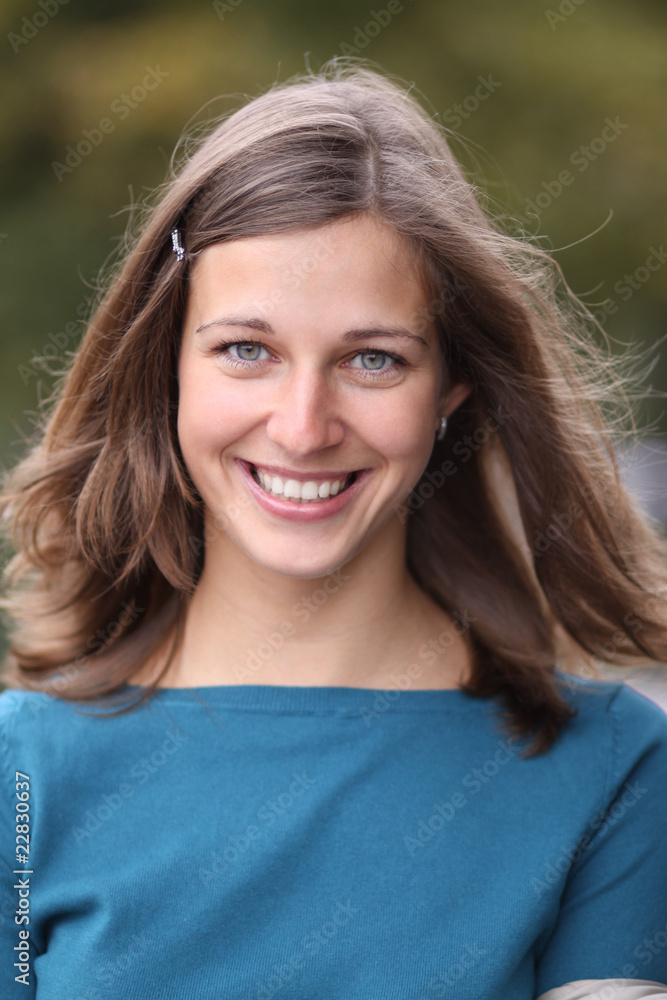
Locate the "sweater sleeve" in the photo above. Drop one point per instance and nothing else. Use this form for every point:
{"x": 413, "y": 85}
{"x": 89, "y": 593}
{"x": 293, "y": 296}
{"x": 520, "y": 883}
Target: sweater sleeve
{"x": 11, "y": 939}
{"x": 612, "y": 920}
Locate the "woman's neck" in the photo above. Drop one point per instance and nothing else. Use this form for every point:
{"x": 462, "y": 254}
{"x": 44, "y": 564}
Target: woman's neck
{"x": 362, "y": 625}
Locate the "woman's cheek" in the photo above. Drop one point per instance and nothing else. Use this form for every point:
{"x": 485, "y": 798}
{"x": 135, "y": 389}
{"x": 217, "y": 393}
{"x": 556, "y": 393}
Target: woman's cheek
{"x": 210, "y": 416}
{"x": 407, "y": 433}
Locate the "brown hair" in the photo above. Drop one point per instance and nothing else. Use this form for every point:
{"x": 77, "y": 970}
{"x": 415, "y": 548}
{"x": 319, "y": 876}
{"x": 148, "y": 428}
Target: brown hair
{"x": 520, "y": 520}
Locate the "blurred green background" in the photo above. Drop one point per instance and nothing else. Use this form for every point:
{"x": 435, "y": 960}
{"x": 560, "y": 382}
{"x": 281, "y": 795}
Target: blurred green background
{"x": 532, "y": 87}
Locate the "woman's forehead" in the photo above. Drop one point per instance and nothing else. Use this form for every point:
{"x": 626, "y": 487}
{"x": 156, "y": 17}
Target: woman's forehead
{"x": 360, "y": 257}
{"x": 332, "y": 292}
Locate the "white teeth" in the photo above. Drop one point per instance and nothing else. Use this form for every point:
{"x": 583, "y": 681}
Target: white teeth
{"x": 309, "y": 491}
{"x": 294, "y": 489}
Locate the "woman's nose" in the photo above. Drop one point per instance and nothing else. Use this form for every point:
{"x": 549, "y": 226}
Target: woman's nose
{"x": 303, "y": 415}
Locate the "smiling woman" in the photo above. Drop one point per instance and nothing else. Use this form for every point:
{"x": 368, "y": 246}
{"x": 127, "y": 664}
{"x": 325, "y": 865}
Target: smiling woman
{"x": 328, "y": 505}
{"x": 327, "y": 437}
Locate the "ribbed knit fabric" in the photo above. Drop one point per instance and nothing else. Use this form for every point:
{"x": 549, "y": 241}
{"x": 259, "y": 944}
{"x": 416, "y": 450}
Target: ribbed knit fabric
{"x": 330, "y": 843}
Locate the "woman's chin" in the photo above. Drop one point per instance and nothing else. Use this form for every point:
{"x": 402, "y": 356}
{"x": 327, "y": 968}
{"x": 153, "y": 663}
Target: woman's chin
{"x": 310, "y": 566}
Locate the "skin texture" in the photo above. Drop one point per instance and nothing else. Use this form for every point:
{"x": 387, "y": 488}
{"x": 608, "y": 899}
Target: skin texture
{"x": 306, "y": 401}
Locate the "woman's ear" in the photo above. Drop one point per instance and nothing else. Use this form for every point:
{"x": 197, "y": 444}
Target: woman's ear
{"x": 454, "y": 397}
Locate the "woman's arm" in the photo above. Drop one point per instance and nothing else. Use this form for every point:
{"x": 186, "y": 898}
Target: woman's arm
{"x": 612, "y": 916}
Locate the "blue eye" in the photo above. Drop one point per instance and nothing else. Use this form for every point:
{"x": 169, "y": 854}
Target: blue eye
{"x": 249, "y": 351}
{"x": 249, "y": 347}
{"x": 377, "y": 359}
{"x": 377, "y": 369}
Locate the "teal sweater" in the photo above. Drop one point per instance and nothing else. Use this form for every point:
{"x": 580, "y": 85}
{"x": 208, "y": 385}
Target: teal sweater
{"x": 254, "y": 842}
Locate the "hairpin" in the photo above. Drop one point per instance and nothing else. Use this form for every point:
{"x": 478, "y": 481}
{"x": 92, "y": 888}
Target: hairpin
{"x": 177, "y": 246}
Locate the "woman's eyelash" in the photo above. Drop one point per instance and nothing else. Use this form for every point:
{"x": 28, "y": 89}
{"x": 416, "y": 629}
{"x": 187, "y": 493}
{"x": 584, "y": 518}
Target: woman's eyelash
{"x": 396, "y": 358}
{"x": 221, "y": 348}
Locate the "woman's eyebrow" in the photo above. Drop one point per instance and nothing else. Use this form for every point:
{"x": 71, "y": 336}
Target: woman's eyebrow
{"x": 360, "y": 333}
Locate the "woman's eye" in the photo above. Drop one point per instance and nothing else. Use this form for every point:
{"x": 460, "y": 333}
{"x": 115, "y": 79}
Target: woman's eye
{"x": 376, "y": 362}
{"x": 245, "y": 351}
{"x": 248, "y": 351}
{"x": 373, "y": 363}
{"x": 374, "y": 359}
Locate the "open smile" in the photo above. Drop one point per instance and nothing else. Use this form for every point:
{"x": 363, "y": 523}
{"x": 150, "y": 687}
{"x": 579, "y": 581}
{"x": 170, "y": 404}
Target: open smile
{"x": 313, "y": 490}
{"x": 298, "y": 497}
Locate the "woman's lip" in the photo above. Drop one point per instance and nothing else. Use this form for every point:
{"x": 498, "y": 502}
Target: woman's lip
{"x": 292, "y": 511}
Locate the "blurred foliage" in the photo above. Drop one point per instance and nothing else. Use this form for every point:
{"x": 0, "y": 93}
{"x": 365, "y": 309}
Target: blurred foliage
{"x": 563, "y": 68}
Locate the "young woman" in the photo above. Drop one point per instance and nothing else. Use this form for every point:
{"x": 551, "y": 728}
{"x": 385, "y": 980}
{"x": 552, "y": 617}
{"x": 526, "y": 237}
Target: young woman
{"x": 321, "y": 526}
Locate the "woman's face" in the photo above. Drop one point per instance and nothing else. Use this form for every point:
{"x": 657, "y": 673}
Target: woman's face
{"x": 317, "y": 398}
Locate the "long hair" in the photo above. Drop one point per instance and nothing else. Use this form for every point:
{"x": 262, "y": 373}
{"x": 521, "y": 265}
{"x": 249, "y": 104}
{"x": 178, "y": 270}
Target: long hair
{"x": 520, "y": 522}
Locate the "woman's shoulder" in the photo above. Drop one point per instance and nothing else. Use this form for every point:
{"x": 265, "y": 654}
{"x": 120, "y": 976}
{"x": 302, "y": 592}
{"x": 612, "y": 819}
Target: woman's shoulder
{"x": 20, "y": 707}
{"x": 36, "y": 728}
{"x": 618, "y": 724}
{"x": 37, "y": 722}
{"x": 611, "y": 700}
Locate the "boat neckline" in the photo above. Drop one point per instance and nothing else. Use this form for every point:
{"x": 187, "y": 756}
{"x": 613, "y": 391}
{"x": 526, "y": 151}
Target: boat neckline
{"x": 325, "y": 697}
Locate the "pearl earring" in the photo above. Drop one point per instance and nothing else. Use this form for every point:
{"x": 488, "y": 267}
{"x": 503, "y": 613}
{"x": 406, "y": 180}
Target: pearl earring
{"x": 441, "y": 429}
